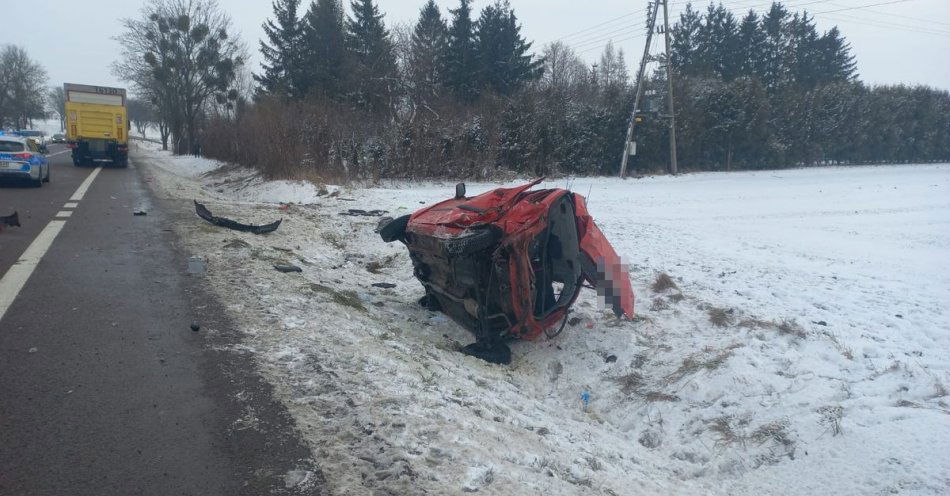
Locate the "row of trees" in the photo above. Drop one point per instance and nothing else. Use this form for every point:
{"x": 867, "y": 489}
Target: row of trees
{"x": 771, "y": 91}
{"x": 341, "y": 94}
{"x": 23, "y": 93}
{"x": 354, "y": 58}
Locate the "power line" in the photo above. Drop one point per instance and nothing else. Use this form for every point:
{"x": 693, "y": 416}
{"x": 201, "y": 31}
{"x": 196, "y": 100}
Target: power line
{"x": 919, "y": 19}
{"x": 887, "y": 25}
{"x": 595, "y": 26}
{"x": 605, "y": 38}
{"x": 600, "y": 47}
{"x": 862, "y": 6}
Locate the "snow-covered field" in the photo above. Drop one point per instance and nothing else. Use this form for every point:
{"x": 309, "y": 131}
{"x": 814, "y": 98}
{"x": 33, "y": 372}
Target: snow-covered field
{"x": 804, "y": 350}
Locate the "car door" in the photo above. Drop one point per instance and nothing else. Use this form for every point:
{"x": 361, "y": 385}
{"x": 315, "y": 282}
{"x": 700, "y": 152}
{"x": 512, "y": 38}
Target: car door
{"x": 38, "y": 158}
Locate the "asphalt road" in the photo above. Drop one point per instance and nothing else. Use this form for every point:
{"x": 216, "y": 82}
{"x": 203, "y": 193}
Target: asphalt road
{"x": 104, "y": 387}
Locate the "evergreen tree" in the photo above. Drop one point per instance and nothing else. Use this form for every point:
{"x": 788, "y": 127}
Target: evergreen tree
{"x": 717, "y": 43}
{"x": 835, "y": 59}
{"x": 775, "y": 48}
{"x": 751, "y": 45}
{"x": 803, "y": 57}
{"x": 427, "y": 51}
{"x": 373, "y": 71}
{"x": 504, "y": 63}
{"x": 460, "y": 56}
{"x": 684, "y": 34}
{"x": 281, "y": 51}
{"x": 323, "y": 50}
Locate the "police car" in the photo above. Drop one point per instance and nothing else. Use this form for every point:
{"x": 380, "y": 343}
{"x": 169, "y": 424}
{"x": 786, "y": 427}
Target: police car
{"x": 21, "y": 158}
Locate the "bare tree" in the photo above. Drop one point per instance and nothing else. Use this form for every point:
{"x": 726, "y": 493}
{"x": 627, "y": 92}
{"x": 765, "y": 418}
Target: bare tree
{"x": 180, "y": 55}
{"x": 57, "y": 103}
{"x": 142, "y": 114}
{"x": 562, "y": 67}
{"x": 22, "y": 88}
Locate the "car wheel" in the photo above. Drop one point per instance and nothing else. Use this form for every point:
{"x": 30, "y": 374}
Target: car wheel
{"x": 46, "y": 180}
{"x": 38, "y": 183}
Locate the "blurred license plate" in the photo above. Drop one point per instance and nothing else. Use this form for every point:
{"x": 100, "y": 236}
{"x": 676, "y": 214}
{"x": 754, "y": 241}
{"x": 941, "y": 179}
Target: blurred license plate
{"x": 9, "y": 165}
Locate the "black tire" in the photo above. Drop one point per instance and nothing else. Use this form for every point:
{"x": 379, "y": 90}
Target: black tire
{"x": 46, "y": 179}
{"x": 395, "y": 230}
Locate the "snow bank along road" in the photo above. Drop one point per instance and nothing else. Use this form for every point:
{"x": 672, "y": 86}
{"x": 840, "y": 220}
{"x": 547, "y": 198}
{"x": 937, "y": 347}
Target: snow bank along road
{"x": 104, "y": 389}
{"x": 803, "y": 346}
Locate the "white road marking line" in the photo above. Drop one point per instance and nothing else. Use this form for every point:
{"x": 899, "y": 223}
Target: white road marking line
{"x": 70, "y": 205}
{"x": 64, "y": 213}
{"x": 16, "y": 277}
{"x": 57, "y": 153}
{"x": 81, "y": 191}
{"x": 20, "y": 272}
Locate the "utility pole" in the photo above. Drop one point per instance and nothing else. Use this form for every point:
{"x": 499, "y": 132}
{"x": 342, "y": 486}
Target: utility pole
{"x": 669, "y": 82}
{"x": 630, "y": 145}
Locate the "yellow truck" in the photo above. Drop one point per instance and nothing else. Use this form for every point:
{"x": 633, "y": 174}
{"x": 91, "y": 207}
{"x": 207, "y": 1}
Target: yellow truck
{"x": 97, "y": 124}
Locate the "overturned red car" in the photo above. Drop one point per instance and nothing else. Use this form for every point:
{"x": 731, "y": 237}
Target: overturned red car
{"x": 510, "y": 262}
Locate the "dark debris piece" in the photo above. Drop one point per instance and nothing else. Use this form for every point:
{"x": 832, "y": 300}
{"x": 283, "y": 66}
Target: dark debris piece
{"x": 206, "y": 214}
{"x": 12, "y": 220}
{"x": 358, "y": 212}
{"x": 139, "y": 213}
{"x": 286, "y": 267}
{"x": 384, "y": 285}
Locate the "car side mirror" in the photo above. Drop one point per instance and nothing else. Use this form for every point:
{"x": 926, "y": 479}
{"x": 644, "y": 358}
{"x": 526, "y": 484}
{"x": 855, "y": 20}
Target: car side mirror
{"x": 459, "y": 191}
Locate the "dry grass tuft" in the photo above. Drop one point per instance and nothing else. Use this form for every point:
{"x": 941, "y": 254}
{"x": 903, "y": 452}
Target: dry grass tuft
{"x": 723, "y": 427}
{"x": 663, "y": 282}
{"x": 776, "y": 431}
{"x": 659, "y": 396}
{"x": 676, "y": 297}
{"x": 333, "y": 239}
{"x": 630, "y": 383}
{"x": 346, "y": 298}
{"x": 773, "y": 431}
{"x": 831, "y": 416}
{"x": 939, "y": 390}
{"x": 377, "y": 266}
{"x": 844, "y": 350}
{"x": 659, "y": 304}
{"x": 791, "y": 328}
{"x": 754, "y": 323}
{"x": 696, "y": 362}
{"x": 634, "y": 383}
{"x": 720, "y": 317}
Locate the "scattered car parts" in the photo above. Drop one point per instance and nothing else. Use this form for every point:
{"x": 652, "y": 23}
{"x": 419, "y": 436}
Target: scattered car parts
{"x": 509, "y": 263}
{"x": 205, "y": 214}
{"x": 12, "y": 220}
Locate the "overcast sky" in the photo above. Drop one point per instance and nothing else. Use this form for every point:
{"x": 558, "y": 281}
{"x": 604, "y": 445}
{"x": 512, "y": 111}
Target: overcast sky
{"x": 902, "y": 41}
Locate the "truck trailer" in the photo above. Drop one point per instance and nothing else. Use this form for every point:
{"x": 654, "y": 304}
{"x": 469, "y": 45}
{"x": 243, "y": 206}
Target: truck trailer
{"x": 97, "y": 124}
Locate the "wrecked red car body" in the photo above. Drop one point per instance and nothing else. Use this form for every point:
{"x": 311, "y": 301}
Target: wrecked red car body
{"x": 510, "y": 262}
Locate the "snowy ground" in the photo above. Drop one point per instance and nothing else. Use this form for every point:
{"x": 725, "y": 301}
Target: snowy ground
{"x": 827, "y": 372}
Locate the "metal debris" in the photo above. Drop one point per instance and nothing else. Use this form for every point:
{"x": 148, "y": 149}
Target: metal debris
{"x": 358, "y": 212}
{"x": 206, "y": 214}
{"x": 286, "y": 267}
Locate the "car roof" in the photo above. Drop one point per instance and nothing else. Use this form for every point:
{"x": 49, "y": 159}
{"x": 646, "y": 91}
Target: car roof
{"x": 7, "y": 137}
